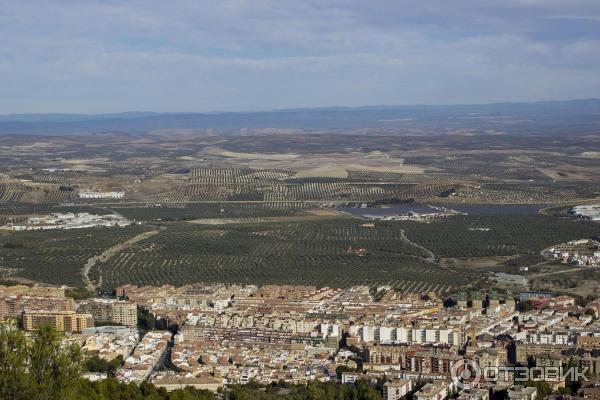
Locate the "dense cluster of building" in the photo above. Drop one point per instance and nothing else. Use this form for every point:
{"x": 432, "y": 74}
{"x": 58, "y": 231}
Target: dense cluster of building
{"x": 237, "y": 334}
{"x": 66, "y": 221}
{"x": 146, "y": 356}
{"x": 232, "y": 334}
{"x": 109, "y": 342}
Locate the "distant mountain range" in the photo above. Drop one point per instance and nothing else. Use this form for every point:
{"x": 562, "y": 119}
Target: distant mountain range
{"x": 541, "y": 117}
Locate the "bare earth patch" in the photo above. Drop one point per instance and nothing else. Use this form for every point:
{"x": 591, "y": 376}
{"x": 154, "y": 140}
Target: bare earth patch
{"x": 254, "y": 156}
{"x": 569, "y": 172}
{"x": 591, "y": 154}
{"x": 473, "y": 262}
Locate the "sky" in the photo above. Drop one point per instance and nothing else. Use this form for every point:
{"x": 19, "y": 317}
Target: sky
{"x": 96, "y": 56}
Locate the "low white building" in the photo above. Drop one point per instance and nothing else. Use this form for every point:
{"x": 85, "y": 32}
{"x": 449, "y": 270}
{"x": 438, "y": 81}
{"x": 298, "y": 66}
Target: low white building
{"x": 88, "y": 194}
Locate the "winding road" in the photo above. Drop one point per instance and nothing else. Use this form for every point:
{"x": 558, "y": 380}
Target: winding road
{"x": 108, "y": 253}
{"x": 430, "y": 256}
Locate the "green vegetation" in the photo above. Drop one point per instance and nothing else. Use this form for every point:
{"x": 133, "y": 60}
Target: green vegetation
{"x": 97, "y": 364}
{"x": 576, "y": 281}
{"x": 341, "y": 369}
{"x": 40, "y": 369}
{"x": 11, "y": 282}
{"x": 146, "y": 320}
{"x": 326, "y": 252}
{"x": 337, "y": 252}
{"x": 464, "y": 236}
{"x": 185, "y": 212}
{"x": 58, "y": 256}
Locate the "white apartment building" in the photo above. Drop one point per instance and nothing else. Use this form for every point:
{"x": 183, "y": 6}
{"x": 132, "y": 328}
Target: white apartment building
{"x": 406, "y": 334}
{"x": 554, "y": 338}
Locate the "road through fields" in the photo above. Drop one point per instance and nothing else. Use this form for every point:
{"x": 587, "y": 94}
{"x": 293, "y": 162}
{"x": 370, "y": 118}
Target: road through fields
{"x": 108, "y": 253}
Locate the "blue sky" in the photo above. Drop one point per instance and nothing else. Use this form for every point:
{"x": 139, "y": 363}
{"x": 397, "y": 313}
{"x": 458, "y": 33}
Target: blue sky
{"x": 233, "y": 55}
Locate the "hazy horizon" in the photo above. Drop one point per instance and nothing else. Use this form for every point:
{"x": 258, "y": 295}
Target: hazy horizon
{"x": 324, "y": 107}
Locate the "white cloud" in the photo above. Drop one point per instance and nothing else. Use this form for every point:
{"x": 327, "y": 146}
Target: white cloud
{"x": 95, "y": 56}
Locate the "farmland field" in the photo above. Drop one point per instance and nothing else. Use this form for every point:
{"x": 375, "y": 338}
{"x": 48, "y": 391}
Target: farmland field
{"x": 210, "y": 210}
{"x": 236, "y": 205}
{"x": 58, "y": 256}
{"x": 495, "y": 235}
{"x": 286, "y": 246}
{"x": 322, "y": 253}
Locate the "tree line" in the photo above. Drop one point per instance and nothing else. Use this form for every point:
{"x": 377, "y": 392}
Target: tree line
{"x": 40, "y": 368}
